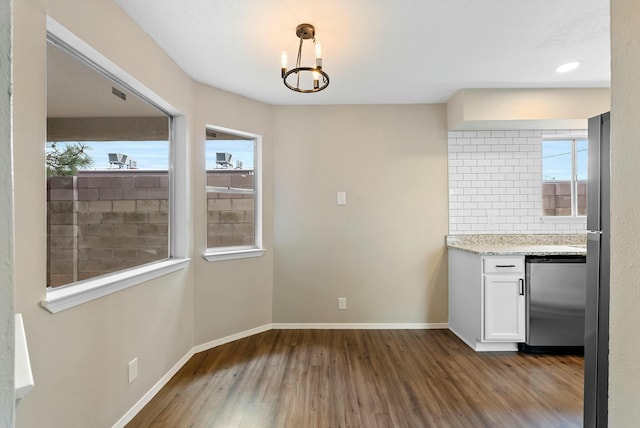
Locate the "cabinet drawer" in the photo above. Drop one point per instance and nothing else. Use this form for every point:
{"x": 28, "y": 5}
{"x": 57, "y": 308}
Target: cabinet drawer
{"x": 503, "y": 264}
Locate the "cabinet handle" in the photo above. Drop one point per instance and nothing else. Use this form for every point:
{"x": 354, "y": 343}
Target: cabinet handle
{"x": 521, "y": 286}
{"x": 505, "y": 266}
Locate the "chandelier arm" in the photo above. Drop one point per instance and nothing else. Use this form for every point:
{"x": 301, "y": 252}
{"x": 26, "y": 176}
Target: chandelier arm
{"x": 298, "y": 62}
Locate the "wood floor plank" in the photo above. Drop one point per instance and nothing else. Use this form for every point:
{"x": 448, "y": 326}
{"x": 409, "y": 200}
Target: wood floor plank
{"x": 369, "y": 379}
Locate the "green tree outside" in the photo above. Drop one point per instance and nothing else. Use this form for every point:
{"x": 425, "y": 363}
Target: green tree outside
{"x": 67, "y": 160}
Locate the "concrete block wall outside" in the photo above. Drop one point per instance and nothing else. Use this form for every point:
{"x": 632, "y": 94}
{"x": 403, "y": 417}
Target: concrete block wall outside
{"x": 105, "y": 221}
{"x": 556, "y": 198}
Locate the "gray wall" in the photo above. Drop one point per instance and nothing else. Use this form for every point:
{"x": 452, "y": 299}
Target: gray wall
{"x": 231, "y": 296}
{"x": 7, "y": 398}
{"x": 624, "y": 387}
{"x": 384, "y": 250}
{"x": 79, "y": 356}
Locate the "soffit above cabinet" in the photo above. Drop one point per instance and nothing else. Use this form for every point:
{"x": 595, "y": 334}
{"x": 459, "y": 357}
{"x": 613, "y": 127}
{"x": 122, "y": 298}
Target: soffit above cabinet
{"x": 550, "y": 108}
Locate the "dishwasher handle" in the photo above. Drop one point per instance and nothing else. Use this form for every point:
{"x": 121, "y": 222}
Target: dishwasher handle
{"x": 521, "y": 286}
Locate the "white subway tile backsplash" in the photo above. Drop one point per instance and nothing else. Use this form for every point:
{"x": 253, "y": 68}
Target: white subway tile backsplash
{"x": 495, "y": 183}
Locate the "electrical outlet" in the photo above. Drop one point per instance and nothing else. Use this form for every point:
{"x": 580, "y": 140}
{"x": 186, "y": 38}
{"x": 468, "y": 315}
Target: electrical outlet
{"x": 341, "y": 198}
{"x": 342, "y": 303}
{"x": 133, "y": 370}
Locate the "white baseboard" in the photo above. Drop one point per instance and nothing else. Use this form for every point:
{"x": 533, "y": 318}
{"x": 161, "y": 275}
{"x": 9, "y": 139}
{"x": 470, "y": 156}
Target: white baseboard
{"x": 486, "y": 346}
{"x": 177, "y": 366}
{"x": 496, "y": 347}
{"x": 231, "y": 338}
{"x": 359, "y": 326}
{"x": 127, "y": 417}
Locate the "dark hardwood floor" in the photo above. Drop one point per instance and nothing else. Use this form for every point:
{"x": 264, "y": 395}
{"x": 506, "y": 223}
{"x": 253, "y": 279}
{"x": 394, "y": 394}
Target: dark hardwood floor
{"x": 369, "y": 379}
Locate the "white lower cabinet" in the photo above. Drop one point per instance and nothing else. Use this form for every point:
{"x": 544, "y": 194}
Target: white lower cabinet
{"x": 504, "y": 308}
{"x": 487, "y": 300}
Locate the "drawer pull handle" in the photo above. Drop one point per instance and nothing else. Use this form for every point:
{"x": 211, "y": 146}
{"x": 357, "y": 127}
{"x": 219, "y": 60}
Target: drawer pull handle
{"x": 505, "y": 266}
{"x": 521, "y": 286}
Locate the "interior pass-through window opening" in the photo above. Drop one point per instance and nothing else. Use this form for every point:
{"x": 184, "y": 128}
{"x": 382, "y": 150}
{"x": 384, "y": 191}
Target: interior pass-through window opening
{"x": 107, "y": 158}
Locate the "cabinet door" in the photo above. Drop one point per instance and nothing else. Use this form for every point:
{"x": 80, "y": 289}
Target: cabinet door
{"x": 504, "y": 308}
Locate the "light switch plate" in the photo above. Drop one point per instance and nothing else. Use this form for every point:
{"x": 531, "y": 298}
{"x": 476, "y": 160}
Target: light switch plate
{"x": 341, "y": 198}
{"x": 133, "y": 369}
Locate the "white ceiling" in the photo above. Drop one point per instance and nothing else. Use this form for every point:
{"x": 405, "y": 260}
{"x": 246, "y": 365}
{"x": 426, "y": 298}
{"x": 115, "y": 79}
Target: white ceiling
{"x": 383, "y": 51}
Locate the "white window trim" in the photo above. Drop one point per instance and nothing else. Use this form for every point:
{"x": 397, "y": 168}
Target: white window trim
{"x": 573, "y": 218}
{"x": 229, "y": 254}
{"x": 249, "y": 251}
{"x": 563, "y": 219}
{"x": 66, "y": 297}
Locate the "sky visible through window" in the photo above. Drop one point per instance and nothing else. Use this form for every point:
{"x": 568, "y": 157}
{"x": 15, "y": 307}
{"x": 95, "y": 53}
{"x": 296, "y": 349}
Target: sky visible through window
{"x": 556, "y": 160}
{"x": 241, "y": 150}
{"x": 154, "y": 155}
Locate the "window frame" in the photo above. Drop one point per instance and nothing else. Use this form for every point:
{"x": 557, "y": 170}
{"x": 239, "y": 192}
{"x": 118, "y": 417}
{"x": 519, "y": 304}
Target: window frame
{"x": 74, "y": 294}
{"x": 240, "y": 251}
{"x": 574, "y": 138}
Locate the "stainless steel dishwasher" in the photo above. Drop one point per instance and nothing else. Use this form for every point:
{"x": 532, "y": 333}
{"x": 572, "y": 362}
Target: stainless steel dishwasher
{"x": 556, "y": 298}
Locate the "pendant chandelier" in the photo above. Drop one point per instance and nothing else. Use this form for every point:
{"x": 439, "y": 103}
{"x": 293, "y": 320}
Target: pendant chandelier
{"x": 292, "y": 78}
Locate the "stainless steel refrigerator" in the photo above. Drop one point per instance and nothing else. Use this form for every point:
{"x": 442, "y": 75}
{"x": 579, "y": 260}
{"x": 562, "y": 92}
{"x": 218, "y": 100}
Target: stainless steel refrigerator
{"x": 596, "y": 345}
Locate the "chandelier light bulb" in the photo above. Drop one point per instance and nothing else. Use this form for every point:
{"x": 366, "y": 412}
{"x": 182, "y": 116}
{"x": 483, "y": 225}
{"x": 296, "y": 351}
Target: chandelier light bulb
{"x": 283, "y": 61}
{"x": 318, "y": 55}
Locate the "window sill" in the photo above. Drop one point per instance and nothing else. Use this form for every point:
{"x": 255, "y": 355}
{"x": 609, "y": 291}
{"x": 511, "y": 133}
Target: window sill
{"x": 59, "y": 299}
{"x": 232, "y": 254}
{"x": 563, "y": 219}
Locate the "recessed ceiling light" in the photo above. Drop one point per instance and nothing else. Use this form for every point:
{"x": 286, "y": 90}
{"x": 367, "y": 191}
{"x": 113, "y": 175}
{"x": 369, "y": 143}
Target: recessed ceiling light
{"x": 570, "y": 66}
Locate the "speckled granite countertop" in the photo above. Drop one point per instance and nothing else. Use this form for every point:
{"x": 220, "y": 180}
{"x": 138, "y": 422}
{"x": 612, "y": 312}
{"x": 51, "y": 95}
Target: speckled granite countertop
{"x": 520, "y": 245}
